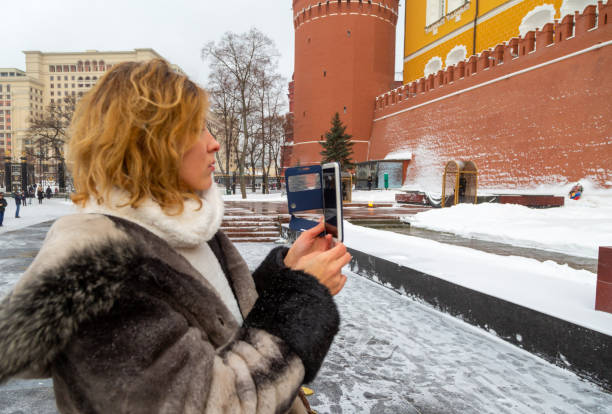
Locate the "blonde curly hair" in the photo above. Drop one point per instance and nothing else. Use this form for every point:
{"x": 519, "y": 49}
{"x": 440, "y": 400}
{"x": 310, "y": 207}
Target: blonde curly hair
{"x": 131, "y": 131}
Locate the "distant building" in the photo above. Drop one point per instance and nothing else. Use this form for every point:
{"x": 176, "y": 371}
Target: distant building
{"x": 47, "y": 79}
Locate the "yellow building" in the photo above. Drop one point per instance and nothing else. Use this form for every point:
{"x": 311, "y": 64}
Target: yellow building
{"x": 20, "y": 99}
{"x": 440, "y": 33}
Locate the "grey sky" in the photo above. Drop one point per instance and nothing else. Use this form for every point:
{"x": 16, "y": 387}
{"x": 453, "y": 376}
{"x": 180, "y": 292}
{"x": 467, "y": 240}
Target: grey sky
{"x": 176, "y": 29}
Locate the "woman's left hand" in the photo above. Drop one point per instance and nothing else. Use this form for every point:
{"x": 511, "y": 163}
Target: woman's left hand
{"x": 308, "y": 242}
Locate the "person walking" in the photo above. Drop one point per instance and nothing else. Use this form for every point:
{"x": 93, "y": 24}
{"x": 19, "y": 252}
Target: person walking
{"x": 139, "y": 303}
{"x": 40, "y": 194}
{"x": 3, "y": 205}
{"x": 49, "y": 192}
{"x": 17, "y": 197}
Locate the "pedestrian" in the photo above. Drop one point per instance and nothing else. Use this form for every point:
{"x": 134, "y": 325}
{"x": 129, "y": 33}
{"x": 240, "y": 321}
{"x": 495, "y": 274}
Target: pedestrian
{"x": 17, "y": 197}
{"x": 3, "y": 205}
{"x": 140, "y": 303}
{"x": 24, "y": 197}
{"x": 40, "y": 194}
{"x": 49, "y": 192}
{"x": 369, "y": 182}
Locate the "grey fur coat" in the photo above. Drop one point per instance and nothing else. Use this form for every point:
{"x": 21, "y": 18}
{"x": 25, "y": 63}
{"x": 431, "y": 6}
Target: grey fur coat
{"x": 124, "y": 324}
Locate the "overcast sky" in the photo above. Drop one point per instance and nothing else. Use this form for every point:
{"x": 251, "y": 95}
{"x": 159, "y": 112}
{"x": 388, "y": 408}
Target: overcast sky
{"x": 176, "y": 29}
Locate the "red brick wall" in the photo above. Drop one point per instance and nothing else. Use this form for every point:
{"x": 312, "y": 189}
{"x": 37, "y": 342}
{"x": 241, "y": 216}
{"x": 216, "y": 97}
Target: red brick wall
{"x": 545, "y": 125}
{"x": 344, "y": 58}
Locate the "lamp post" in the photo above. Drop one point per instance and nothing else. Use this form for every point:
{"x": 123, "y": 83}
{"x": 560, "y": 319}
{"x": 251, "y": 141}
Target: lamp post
{"x": 24, "y": 172}
{"x": 61, "y": 174}
{"x": 8, "y": 174}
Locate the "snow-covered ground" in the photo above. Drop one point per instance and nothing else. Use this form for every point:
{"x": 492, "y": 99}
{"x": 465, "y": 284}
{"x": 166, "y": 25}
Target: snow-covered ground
{"x": 35, "y": 213}
{"x": 578, "y": 228}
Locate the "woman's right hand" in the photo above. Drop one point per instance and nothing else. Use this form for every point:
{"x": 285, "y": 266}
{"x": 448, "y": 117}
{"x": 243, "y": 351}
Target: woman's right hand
{"x": 326, "y": 266}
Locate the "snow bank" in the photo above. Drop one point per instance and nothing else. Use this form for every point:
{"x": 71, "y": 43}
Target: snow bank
{"x": 577, "y": 229}
{"x": 547, "y": 287}
{"x": 35, "y": 213}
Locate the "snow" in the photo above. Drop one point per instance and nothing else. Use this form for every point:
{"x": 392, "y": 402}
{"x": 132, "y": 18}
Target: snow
{"x": 578, "y": 228}
{"x": 35, "y": 213}
{"x": 399, "y": 155}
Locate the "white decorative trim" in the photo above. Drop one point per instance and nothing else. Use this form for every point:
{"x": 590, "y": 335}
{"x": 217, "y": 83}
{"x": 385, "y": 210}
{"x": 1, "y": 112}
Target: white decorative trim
{"x": 510, "y": 75}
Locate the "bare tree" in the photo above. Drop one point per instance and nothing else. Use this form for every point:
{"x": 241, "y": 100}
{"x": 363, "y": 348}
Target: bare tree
{"x": 241, "y": 55}
{"x": 225, "y": 123}
{"x": 48, "y": 135}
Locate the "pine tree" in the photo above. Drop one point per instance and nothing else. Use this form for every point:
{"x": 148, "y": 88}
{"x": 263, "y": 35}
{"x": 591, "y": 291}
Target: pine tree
{"x": 337, "y": 146}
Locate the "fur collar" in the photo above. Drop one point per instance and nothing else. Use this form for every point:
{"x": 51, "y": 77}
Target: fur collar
{"x": 190, "y": 229}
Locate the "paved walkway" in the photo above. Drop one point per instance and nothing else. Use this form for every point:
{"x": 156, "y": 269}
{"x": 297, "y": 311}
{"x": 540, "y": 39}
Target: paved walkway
{"x": 392, "y": 355}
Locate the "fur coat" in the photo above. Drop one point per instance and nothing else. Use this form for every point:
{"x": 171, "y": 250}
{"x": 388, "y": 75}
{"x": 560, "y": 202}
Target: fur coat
{"x": 124, "y": 324}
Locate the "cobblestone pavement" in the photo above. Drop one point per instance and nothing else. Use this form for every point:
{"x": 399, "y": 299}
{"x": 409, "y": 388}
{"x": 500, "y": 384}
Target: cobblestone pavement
{"x": 392, "y": 355}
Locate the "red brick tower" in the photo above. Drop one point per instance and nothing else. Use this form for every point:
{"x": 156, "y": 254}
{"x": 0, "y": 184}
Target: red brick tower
{"x": 344, "y": 58}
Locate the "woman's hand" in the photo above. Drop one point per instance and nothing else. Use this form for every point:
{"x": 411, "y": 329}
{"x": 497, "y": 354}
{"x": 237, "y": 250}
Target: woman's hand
{"x": 307, "y": 243}
{"x": 314, "y": 256}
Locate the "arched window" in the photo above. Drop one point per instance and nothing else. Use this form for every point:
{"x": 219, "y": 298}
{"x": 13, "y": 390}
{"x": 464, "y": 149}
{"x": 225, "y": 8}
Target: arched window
{"x": 433, "y": 66}
{"x": 86, "y": 78}
{"x": 87, "y": 66}
{"x": 570, "y": 6}
{"x": 95, "y": 65}
{"x": 456, "y": 55}
{"x": 80, "y": 66}
{"x": 536, "y": 18}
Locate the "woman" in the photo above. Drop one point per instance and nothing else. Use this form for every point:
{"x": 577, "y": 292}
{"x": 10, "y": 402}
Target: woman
{"x": 140, "y": 304}
{"x": 40, "y": 194}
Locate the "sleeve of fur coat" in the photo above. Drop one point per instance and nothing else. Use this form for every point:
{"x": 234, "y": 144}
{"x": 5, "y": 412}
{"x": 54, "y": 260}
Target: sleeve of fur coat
{"x": 151, "y": 341}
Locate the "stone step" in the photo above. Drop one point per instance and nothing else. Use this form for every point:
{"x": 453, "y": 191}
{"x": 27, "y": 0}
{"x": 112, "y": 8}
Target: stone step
{"x": 251, "y": 229}
{"x": 374, "y": 205}
{"x": 253, "y": 218}
{"x": 255, "y": 240}
{"x": 252, "y": 234}
{"x": 257, "y": 224}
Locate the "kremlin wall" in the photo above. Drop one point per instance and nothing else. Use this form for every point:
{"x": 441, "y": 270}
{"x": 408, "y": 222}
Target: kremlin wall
{"x": 535, "y": 109}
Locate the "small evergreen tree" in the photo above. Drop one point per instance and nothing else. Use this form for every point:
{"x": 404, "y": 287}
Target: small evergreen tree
{"x": 337, "y": 146}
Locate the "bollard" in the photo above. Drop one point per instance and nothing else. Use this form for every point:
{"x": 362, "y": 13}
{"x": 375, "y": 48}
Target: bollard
{"x": 603, "y": 296}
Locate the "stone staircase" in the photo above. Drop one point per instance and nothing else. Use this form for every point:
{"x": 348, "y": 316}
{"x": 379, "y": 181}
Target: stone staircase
{"x": 242, "y": 225}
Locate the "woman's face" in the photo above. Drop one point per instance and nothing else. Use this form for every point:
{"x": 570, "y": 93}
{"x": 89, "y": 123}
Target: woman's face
{"x": 199, "y": 162}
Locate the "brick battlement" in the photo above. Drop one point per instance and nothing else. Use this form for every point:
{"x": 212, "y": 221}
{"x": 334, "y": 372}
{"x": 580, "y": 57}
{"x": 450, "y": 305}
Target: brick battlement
{"x": 386, "y": 10}
{"x": 555, "y": 40}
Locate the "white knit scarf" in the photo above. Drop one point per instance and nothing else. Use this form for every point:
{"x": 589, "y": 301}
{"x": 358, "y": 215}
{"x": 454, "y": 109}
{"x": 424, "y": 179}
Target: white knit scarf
{"x": 190, "y": 229}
